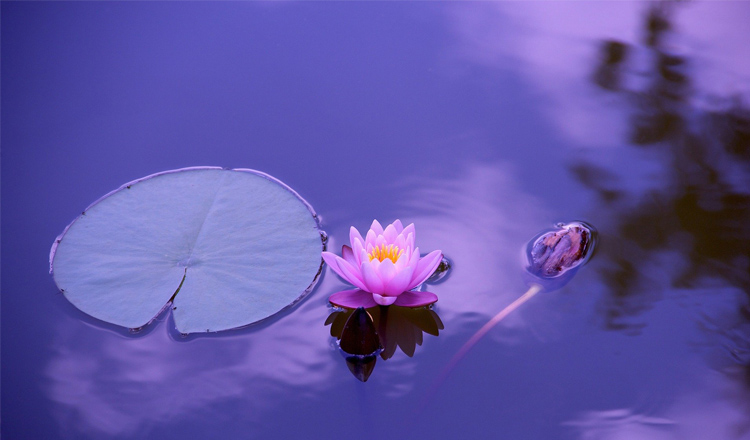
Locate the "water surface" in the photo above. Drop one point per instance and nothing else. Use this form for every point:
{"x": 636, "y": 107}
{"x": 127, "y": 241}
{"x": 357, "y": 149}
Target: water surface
{"x": 482, "y": 123}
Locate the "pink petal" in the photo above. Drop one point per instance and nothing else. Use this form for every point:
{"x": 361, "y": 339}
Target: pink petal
{"x": 375, "y": 227}
{"x": 399, "y": 227}
{"x": 351, "y": 299}
{"x": 381, "y": 241}
{"x": 370, "y": 277}
{"x": 387, "y": 270}
{"x": 359, "y": 252}
{"x": 414, "y": 258}
{"x": 415, "y": 299}
{"x": 354, "y": 236}
{"x": 409, "y": 242}
{"x": 330, "y": 259}
{"x": 390, "y": 234}
{"x": 384, "y": 300}
{"x": 370, "y": 239}
{"x": 400, "y": 242}
{"x": 363, "y": 257}
{"x": 426, "y": 267}
{"x": 403, "y": 261}
{"x": 409, "y": 230}
{"x": 350, "y": 273}
{"x": 399, "y": 283}
{"x": 348, "y": 255}
{"x": 343, "y": 269}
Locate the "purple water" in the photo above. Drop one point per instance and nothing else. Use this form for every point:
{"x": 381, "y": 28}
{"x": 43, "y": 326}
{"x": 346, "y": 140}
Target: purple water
{"x": 482, "y": 123}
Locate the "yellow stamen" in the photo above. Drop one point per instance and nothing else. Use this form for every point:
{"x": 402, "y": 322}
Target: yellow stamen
{"x": 382, "y": 252}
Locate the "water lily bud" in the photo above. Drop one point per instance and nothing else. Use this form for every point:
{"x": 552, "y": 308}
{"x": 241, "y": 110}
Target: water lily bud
{"x": 553, "y": 257}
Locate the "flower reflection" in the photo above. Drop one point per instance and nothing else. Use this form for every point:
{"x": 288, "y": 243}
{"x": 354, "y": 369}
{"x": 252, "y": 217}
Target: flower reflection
{"x": 360, "y": 343}
{"x": 363, "y": 334}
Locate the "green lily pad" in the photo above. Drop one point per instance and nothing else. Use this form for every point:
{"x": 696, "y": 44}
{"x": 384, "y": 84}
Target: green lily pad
{"x": 229, "y": 247}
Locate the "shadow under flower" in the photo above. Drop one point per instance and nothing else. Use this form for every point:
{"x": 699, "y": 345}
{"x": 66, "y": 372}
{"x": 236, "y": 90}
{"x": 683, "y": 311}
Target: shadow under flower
{"x": 365, "y": 334}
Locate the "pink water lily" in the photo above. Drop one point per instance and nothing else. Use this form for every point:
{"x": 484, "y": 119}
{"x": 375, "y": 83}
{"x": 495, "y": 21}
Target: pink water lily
{"x": 384, "y": 266}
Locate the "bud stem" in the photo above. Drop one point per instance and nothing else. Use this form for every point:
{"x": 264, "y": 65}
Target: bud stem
{"x": 533, "y": 290}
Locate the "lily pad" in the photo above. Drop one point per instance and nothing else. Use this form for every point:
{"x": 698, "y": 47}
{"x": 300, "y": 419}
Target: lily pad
{"x": 228, "y": 247}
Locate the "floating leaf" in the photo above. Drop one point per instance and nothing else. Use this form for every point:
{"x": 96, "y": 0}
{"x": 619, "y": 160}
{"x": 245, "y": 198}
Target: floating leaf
{"x": 231, "y": 246}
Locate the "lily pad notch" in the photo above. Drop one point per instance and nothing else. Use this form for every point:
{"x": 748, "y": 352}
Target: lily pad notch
{"x": 227, "y": 248}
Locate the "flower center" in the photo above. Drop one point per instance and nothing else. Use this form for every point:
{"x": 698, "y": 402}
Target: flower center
{"x": 391, "y": 252}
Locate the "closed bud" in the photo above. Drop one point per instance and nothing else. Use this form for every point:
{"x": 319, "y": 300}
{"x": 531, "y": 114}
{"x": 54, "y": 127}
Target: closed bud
{"x": 552, "y": 257}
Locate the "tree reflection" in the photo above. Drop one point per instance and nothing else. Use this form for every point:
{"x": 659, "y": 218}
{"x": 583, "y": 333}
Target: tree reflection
{"x": 702, "y": 210}
{"x": 365, "y": 334}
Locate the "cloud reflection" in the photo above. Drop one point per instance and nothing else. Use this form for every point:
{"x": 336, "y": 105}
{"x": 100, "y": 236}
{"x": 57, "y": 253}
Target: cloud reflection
{"x": 481, "y": 218}
{"x": 707, "y": 414}
{"x": 553, "y": 44}
{"x": 108, "y": 384}
{"x": 621, "y": 424}
{"x": 548, "y": 44}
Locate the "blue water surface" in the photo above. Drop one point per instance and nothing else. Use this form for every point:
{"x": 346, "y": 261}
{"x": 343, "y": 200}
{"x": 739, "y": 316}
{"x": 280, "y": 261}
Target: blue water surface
{"x": 482, "y": 123}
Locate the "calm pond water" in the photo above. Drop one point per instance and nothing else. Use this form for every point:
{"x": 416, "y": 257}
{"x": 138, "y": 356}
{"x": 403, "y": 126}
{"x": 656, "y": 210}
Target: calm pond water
{"x": 482, "y": 123}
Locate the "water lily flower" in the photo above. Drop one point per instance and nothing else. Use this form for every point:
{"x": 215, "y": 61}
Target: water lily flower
{"x": 384, "y": 266}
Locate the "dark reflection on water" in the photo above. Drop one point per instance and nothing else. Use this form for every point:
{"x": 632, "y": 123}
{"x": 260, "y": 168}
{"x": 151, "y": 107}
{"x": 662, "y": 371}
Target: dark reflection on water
{"x": 364, "y": 334}
{"x": 360, "y": 344}
{"x": 702, "y": 210}
{"x": 698, "y": 218}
